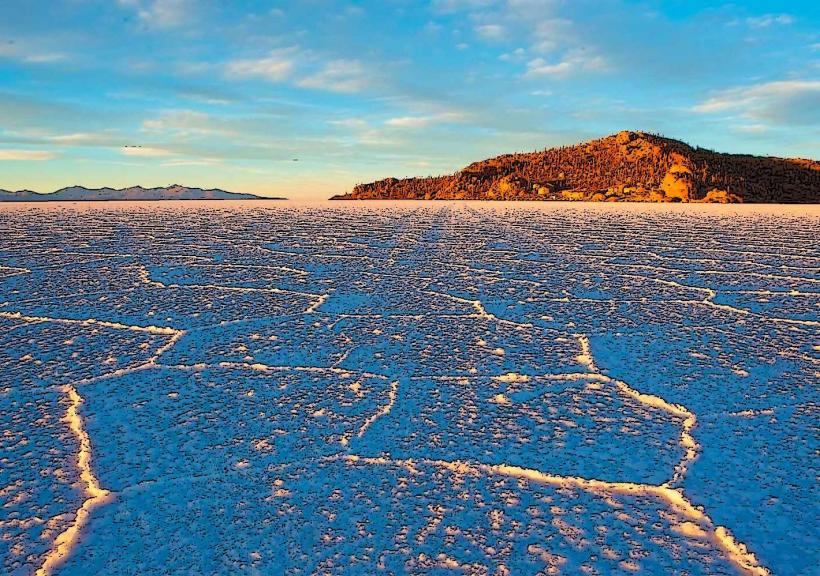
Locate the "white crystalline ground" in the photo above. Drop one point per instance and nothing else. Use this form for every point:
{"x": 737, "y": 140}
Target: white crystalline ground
{"x": 424, "y": 388}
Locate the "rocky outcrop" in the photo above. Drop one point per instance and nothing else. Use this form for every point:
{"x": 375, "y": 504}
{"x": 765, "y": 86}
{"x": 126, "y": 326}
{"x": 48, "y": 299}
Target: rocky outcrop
{"x": 679, "y": 182}
{"x": 628, "y": 166}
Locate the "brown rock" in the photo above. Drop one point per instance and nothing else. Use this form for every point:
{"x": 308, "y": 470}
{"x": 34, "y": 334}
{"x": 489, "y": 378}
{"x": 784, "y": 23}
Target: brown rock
{"x": 679, "y": 182}
{"x": 633, "y": 166}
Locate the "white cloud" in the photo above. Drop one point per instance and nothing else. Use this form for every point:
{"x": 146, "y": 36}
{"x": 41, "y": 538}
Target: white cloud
{"x": 144, "y": 151}
{"x": 39, "y": 136}
{"x": 161, "y": 13}
{"x": 185, "y": 122}
{"x": 75, "y": 138}
{"x": 785, "y": 101}
{"x": 422, "y": 121}
{"x": 338, "y": 76}
{"x": 202, "y": 162}
{"x": 751, "y": 128}
{"x": 517, "y": 54}
{"x": 554, "y": 44}
{"x": 769, "y": 20}
{"x": 491, "y": 31}
{"x": 540, "y": 67}
{"x": 29, "y": 53}
{"x": 25, "y": 155}
{"x": 409, "y": 121}
{"x": 305, "y": 69}
{"x": 275, "y": 67}
{"x": 363, "y": 132}
{"x": 356, "y": 123}
{"x": 572, "y": 62}
{"x": 551, "y": 33}
{"x": 45, "y": 58}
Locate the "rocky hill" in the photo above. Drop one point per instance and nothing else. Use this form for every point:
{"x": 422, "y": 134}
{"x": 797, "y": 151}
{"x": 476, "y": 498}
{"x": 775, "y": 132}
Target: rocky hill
{"x": 80, "y": 193}
{"x": 628, "y": 166}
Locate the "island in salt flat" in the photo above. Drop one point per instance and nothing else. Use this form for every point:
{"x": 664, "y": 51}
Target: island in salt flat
{"x": 173, "y": 192}
{"x": 628, "y": 166}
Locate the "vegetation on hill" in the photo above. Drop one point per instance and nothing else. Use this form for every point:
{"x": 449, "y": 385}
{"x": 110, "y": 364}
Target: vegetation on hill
{"x": 628, "y": 166}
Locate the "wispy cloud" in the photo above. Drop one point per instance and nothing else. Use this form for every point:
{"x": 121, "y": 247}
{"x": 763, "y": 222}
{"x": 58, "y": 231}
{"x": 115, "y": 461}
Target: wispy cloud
{"x": 275, "y": 67}
{"x": 26, "y": 155}
{"x": 409, "y": 121}
{"x": 364, "y": 133}
{"x": 76, "y": 138}
{"x": 426, "y": 120}
{"x": 785, "y": 101}
{"x": 210, "y": 96}
{"x": 768, "y": 20}
{"x": 553, "y": 43}
{"x": 356, "y": 123}
{"x": 32, "y": 136}
{"x": 551, "y": 33}
{"x": 491, "y": 31}
{"x": 540, "y": 67}
{"x": 184, "y": 123}
{"x": 573, "y": 61}
{"x": 144, "y": 151}
{"x": 161, "y": 13}
{"x": 751, "y": 128}
{"x": 304, "y": 69}
{"x": 338, "y": 76}
{"x": 29, "y": 53}
{"x": 184, "y": 162}
{"x": 516, "y": 55}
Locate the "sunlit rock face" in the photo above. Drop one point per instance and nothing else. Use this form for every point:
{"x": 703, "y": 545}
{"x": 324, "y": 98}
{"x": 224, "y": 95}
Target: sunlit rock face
{"x": 625, "y": 167}
{"x": 679, "y": 183}
{"x": 408, "y": 388}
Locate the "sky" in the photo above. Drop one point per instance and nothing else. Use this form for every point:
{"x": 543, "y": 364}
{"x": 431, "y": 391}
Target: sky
{"x": 305, "y": 99}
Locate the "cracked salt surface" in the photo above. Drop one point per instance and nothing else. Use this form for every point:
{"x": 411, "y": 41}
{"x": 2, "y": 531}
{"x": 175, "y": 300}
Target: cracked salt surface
{"x": 422, "y": 388}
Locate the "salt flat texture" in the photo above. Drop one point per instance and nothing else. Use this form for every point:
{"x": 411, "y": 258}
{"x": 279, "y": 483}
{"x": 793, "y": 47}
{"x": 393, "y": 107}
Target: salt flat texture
{"x": 423, "y": 388}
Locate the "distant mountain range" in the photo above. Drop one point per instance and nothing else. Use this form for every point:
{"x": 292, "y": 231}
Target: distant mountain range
{"x": 628, "y": 166}
{"x": 80, "y": 193}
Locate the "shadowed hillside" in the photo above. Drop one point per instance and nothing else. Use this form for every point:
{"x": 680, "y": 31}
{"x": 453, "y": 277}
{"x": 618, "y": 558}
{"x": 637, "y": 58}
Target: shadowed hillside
{"x": 628, "y": 166}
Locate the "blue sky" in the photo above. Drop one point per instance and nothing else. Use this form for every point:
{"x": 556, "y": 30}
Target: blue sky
{"x": 217, "y": 93}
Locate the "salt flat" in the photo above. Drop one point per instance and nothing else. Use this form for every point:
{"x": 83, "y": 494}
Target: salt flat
{"x": 425, "y": 388}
